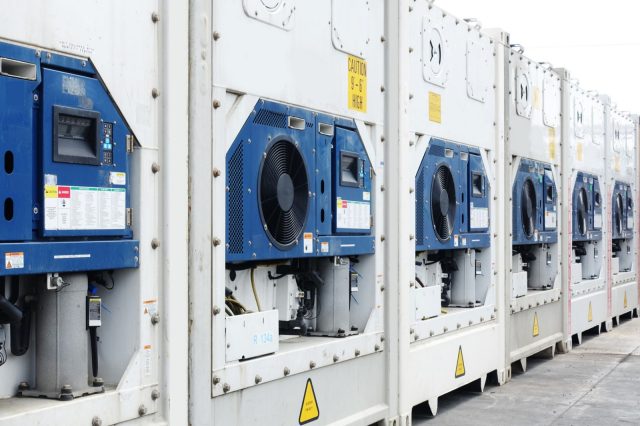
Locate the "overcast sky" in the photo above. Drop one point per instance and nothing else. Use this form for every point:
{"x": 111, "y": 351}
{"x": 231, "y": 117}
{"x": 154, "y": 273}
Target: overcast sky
{"x": 598, "y": 42}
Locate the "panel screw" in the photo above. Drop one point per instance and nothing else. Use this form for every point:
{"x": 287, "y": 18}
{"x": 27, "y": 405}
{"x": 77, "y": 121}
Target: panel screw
{"x": 216, "y": 104}
{"x": 226, "y": 388}
{"x": 35, "y": 210}
{"x": 216, "y": 172}
{"x": 216, "y": 241}
{"x": 155, "y": 243}
{"x": 286, "y": 371}
{"x": 155, "y": 17}
{"x": 312, "y": 364}
{"x": 155, "y": 394}
{"x": 216, "y": 35}
{"x": 96, "y": 421}
{"x": 216, "y": 380}
{"x": 216, "y": 310}
{"x": 155, "y": 168}
{"x": 155, "y": 319}
{"x": 142, "y": 410}
{"x": 258, "y": 379}
{"x": 155, "y": 93}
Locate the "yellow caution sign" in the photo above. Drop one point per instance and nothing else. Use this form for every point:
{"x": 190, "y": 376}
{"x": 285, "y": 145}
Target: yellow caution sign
{"x": 536, "y": 326}
{"x": 357, "y": 84}
{"x": 590, "y": 314}
{"x": 309, "y": 410}
{"x": 435, "y": 107}
{"x": 625, "y": 299}
{"x": 460, "y": 364}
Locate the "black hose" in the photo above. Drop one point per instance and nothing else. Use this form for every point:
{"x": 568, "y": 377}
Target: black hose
{"x": 21, "y": 332}
{"x": 10, "y": 312}
{"x": 94, "y": 350}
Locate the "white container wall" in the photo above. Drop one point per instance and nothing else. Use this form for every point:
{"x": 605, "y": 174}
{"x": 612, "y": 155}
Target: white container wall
{"x": 586, "y": 207}
{"x": 533, "y": 129}
{"x": 621, "y": 175}
{"x": 286, "y": 110}
{"x": 454, "y": 299}
{"x": 144, "y": 309}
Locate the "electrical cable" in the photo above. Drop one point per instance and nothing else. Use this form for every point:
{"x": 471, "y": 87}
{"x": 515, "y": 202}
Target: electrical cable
{"x": 255, "y": 292}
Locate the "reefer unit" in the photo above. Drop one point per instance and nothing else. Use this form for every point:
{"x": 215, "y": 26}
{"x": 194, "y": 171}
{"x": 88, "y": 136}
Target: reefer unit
{"x": 533, "y": 135}
{"x": 453, "y": 302}
{"x": 621, "y": 176}
{"x": 80, "y": 226}
{"x": 585, "y": 210}
{"x": 294, "y": 276}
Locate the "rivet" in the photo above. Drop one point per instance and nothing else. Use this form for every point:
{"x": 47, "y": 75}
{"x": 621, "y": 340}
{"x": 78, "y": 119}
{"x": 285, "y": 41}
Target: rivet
{"x": 335, "y": 358}
{"x": 382, "y": 88}
{"x": 226, "y": 388}
{"x": 376, "y": 347}
{"x": 258, "y": 379}
{"x": 96, "y": 421}
{"x": 142, "y": 410}
{"x": 357, "y": 352}
{"x": 155, "y": 243}
{"x": 155, "y": 394}
{"x": 216, "y": 310}
{"x": 216, "y": 241}
{"x": 155, "y": 167}
{"x": 216, "y": 35}
{"x": 155, "y": 17}
{"x": 216, "y": 104}
{"x": 216, "y": 172}
{"x": 286, "y": 371}
{"x": 312, "y": 364}
{"x": 155, "y": 318}
{"x": 216, "y": 380}
{"x": 155, "y": 93}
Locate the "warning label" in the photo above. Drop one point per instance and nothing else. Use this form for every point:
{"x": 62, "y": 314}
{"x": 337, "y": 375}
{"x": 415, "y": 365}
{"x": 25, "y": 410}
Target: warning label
{"x": 309, "y": 410}
{"x": 479, "y": 217}
{"x": 84, "y": 208}
{"x": 353, "y": 214}
{"x": 435, "y": 107}
{"x": 590, "y": 313}
{"x": 536, "y": 326}
{"x": 15, "y": 260}
{"x": 550, "y": 219}
{"x": 308, "y": 242}
{"x": 460, "y": 364}
{"x": 357, "y": 83}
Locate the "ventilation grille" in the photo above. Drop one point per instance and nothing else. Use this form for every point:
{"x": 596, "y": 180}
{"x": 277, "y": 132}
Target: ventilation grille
{"x": 271, "y": 118}
{"x": 234, "y": 201}
{"x": 420, "y": 208}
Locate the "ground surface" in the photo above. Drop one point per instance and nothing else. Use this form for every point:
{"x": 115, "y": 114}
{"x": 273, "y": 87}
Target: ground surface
{"x": 598, "y": 383}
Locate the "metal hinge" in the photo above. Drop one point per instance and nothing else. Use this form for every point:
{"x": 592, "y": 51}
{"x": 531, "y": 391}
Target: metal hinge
{"x": 129, "y": 217}
{"x": 130, "y": 142}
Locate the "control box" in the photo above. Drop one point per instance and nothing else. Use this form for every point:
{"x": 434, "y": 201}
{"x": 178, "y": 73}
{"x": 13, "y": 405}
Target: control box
{"x": 64, "y": 175}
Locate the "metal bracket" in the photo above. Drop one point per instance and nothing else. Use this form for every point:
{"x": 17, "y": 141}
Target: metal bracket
{"x": 54, "y": 281}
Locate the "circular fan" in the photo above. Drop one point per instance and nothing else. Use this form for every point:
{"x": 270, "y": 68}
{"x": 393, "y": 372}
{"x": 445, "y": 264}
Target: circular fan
{"x": 528, "y": 207}
{"x": 582, "y": 211}
{"x": 443, "y": 203}
{"x": 617, "y": 214}
{"x": 283, "y": 194}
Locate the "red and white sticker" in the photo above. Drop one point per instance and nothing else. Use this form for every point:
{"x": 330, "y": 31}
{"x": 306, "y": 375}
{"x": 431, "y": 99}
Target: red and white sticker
{"x": 14, "y": 260}
{"x": 308, "y": 242}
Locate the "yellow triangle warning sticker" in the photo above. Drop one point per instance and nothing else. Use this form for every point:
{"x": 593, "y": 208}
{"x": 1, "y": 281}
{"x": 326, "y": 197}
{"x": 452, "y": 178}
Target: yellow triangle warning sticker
{"x": 590, "y": 314}
{"x": 460, "y": 364}
{"x": 9, "y": 267}
{"x": 536, "y": 326}
{"x": 309, "y": 410}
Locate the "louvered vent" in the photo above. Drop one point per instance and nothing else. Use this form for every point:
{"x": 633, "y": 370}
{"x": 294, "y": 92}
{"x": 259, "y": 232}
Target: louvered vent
{"x": 271, "y": 118}
{"x": 234, "y": 201}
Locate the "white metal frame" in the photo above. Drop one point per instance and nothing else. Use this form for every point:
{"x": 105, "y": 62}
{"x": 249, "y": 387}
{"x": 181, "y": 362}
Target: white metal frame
{"x": 141, "y": 53}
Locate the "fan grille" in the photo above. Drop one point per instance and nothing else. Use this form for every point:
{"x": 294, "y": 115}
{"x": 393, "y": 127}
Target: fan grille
{"x": 582, "y": 211}
{"x": 443, "y": 203}
{"x": 235, "y": 202}
{"x": 284, "y": 193}
{"x": 528, "y": 208}
{"x": 420, "y": 208}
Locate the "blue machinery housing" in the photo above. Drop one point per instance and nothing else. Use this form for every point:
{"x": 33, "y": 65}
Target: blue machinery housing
{"x": 298, "y": 185}
{"x": 587, "y": 208}
{"x": 452, "y": 198}
{"x": 65, "y": 181}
